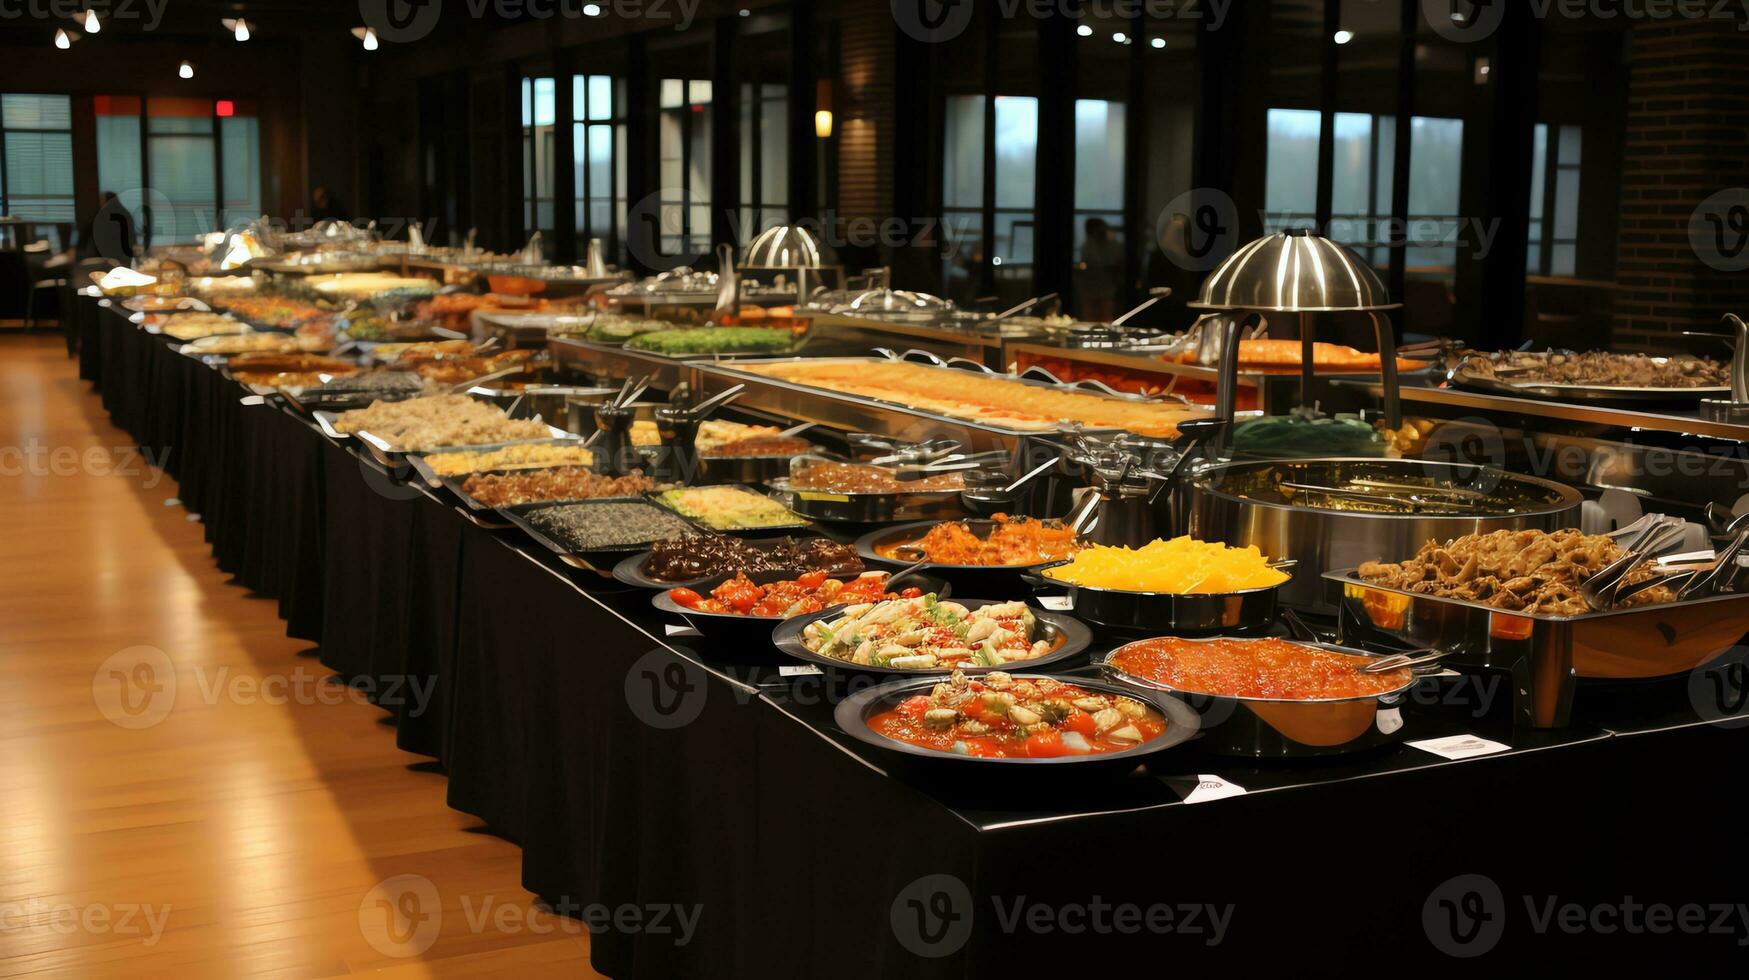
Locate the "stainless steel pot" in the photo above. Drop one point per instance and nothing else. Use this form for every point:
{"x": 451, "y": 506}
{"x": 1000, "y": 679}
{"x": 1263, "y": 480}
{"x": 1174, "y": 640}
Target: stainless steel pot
{"x": 1237, "y": 503}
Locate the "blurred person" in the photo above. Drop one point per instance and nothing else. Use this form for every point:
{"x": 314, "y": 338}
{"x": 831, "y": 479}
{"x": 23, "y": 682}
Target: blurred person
{"x": 110, "y": 232}
{"x": 1101, "y": 272}
{"x": 324, "y": 206}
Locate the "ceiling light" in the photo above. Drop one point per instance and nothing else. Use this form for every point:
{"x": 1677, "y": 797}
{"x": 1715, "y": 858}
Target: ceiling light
{"x": 1343, "y": 37}
{"x": 185, "y": 70}
{"x": 746, "y": 12}
{"x": 1084, "y": 31}
{"x": 368, "y": 35}
{"x": 238, "y": 27}
{"x": 91, "y": 24}
{"x": 1158, "y": 42}
{"x": 64, "y": 38}
{"x": 594, "y": 10}
{"x": 1119, "y": 37}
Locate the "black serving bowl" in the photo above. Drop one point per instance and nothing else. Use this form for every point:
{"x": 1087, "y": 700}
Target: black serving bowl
{"x": 968, "y": 579}
{"x": 748, "y": 639}
{"x": 1069, "y": 637}
{"x": 1164, "y": 613}
{"x": 853, "y": 713}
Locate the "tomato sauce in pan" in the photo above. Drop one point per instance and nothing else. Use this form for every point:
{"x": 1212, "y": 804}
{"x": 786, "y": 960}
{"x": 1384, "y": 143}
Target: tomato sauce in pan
{"x": 1263, "y": 668}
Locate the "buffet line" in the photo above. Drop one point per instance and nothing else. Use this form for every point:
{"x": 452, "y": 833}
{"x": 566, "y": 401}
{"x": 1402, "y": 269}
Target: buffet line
{"x": 1025, "y": 567}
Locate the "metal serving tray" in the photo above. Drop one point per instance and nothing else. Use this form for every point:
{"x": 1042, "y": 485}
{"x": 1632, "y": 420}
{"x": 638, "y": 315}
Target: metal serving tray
{"x": 806, "y": 403}
{"x": 1604, "y": 394}
{"x": 423, "y": 468}
{"x": 1545, "y": 654}
{"x": 799, "y": 525}
{"x": 598, "y": 560}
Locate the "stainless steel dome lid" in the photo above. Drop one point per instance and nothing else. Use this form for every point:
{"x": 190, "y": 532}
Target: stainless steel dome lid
{"x": 787, "y": 247}
{"x": 1294, "y": 271}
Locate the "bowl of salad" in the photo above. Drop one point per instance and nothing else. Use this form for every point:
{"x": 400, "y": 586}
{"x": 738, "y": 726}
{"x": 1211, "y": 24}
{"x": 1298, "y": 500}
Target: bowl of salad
{"x": 933, "y": 634}
{"x": 1000, "y": 720}
{"x": 738, "y": 611}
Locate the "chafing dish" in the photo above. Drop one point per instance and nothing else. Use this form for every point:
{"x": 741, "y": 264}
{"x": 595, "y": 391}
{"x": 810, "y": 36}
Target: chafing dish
{"x": 1545, "y": 654}
{"x": 1289, "y": 510}
{"x": 862, "y": 413}
{"x": 1465, "y": 374}
{"x": 1283, "y": 728}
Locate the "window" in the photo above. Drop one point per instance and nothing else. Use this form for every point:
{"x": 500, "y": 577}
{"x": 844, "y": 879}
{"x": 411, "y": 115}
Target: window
{"x": 182, "y": 167}
{"x": 599, "y": 171}
{"x": 1290, "y": 197}
{"x": 1554, "y": 201}
{"x": 685, "y": 150}
{"x": 1002, "y": 221}
{"x": 538, "y": 149}
{"x": 1099, "y": 190}
{"x": 764, "y": 157}
{"x": 36, "y": 167}
{"x": 1362, "y": 182}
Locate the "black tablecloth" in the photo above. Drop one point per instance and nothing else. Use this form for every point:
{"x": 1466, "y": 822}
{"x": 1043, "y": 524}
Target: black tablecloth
{"x": 635, "y": 769}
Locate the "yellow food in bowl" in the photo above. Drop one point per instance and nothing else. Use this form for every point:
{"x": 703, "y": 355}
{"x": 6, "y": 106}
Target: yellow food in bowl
{"x": 1181, "y": 566}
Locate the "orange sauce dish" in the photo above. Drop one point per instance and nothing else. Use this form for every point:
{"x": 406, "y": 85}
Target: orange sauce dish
{"x": 1263, "y": 668}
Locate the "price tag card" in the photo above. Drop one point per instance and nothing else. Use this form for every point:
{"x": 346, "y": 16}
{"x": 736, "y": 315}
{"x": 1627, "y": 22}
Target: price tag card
{"x": 1205, "y": 787}
{"x": 1459, "y": 746}
{"x": 1057, "y": 603}
{"x": 675, "y": 629}
{"x": 798, "y": 670}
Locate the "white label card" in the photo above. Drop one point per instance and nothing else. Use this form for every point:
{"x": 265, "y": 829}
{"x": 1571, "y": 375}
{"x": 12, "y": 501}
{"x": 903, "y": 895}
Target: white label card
{"x": 1057, "y": 603}
{"x": 798, "y": 670}
{"x": 676, "y": 629}
{"x": 1459, "y": 746}
{"x": 1209, "y": 787}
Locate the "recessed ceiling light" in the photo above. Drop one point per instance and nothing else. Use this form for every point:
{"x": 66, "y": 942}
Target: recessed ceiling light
{"x": 64, "y": 38}
{"x": 1158, "y": 42}
{"x": 1119, "y": 36}
{"x": 592, "y": 10}
{"x": 91, "y": 24}
{"x": 238, "y": 27}
{"x": 185, "y": 70}
{"x": 368, "y": 35}
{"x": 1343, "y": 37}
{"x": 1084, "y": 31}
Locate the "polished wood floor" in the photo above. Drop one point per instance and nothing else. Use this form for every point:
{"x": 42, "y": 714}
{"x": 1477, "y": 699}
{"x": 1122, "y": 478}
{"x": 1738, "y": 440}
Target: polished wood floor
{"x": 180, "y": 793}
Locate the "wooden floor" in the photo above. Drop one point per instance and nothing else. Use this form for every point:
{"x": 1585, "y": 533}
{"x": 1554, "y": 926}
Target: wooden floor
{"x": 180, "y": 795}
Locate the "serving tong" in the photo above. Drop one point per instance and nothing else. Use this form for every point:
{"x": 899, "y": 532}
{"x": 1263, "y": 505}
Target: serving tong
{"x": 1603, "y": 589}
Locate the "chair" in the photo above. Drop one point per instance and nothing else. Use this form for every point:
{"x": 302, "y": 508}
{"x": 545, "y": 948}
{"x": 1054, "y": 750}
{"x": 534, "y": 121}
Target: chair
{"x": 42, "y": 272}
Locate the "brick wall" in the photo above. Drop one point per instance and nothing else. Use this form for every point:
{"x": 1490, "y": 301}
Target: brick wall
{"x": 1687, "y": 138}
